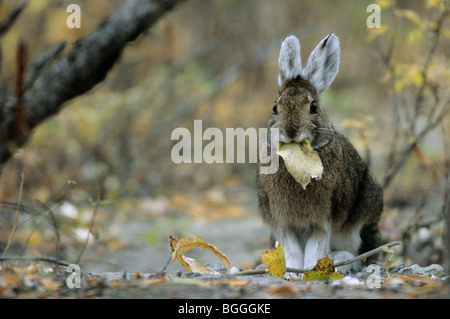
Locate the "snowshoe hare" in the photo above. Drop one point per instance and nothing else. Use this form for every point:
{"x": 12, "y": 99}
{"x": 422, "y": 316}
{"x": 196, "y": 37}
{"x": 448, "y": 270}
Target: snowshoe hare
{"x": 338, "y": 214}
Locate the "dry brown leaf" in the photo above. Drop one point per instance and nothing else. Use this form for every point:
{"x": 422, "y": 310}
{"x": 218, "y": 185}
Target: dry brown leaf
{"x": 51, "y": 285}
{"x": 233, "y": 283}
{"x": 8, "y": 282}
{"x": 195, "y": 266}
{"x": 92, "y": 280}
{"x": 301, "y": 161}
{"x": 180, "y": 247}
{"x": 173, "y": 247}
{"x": 137, "y": 275}
{"x": 414, "y": 279}
{"x": 284, "y": 290}
{"x": 275, "y": 260}
{"x": 151, "y": 281}
{"x": 237, "y": 283}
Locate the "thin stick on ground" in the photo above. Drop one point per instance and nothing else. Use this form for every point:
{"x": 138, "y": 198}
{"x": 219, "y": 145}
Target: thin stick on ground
{"x": 35, "y": 258}
{"x": 55, "y": 226}
{"x": 52, "y": 260}
{"x": 367, "y": 254}
{"x": 16, "y": 218}
{"x": 338, "y": 264}
{"x": 94, "y": 214}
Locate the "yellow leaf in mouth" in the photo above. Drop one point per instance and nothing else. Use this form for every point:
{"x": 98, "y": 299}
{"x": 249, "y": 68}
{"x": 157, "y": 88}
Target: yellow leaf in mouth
{"x": 301, "y": 161}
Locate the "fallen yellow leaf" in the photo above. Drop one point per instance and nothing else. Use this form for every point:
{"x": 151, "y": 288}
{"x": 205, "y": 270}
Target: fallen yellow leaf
{"x": 275, "y": 260}
{"x": 29, "y": 270}
{"x": 301, "y": 161}
{"x": 323, "y": 270}
{"x": 180, "y": 247}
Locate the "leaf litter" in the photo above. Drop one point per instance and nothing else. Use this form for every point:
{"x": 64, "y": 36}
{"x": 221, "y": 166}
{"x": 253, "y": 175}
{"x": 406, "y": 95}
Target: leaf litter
{"x": 180, "y": 247}
{"x": 39, "y": 281}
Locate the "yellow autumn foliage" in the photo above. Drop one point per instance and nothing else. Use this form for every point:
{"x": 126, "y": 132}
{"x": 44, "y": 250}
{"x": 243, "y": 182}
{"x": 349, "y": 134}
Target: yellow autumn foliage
{"x": 323, "y": 270}
{"x": 274, "y": 259}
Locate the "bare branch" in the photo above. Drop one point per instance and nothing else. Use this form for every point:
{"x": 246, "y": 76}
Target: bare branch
{"x": 55, "y": 226}
{"x": 32, "y": 258}
{"x": 92, "y": 57}
{"x": 392, "y": 172}
{"x": 82, "y": 68}
{"x": 9, "y": 20}
{"x": 415, "y": 112}
{"x": 36, "y": 67}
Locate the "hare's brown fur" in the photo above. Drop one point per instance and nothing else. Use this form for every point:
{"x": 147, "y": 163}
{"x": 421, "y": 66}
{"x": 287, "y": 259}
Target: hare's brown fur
{"x": 343, "y": 208}
{"x": 347, "y": 196}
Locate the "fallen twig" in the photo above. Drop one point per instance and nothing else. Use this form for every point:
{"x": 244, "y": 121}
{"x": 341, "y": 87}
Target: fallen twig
{"x": 163, "y": 270}
{"x": 338, "y": 264}
{"x": 34, "y": 258}
{"x": 55, "y": 225}
{"x": 94, "y": 214}
{"x": 46, "y": 259}
{"x": 367, "y": 254}
{"x": 16, "y": 218}
{"x": 251, "y": 272}
{"x": 12, "y": 16}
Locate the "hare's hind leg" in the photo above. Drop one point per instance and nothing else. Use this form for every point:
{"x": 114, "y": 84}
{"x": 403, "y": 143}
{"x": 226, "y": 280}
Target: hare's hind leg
{"x": 317, "y": 246}
{"x": 370, "y": 207}
{"x": 370, "y": 236}
{"x": 293, "y": 251}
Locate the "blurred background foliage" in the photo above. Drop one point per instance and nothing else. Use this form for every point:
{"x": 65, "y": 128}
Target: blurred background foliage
{"x": 217, "y": 61}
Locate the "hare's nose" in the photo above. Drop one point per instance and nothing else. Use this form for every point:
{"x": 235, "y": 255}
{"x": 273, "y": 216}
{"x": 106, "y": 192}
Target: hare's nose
{"x": 291, "y": 132}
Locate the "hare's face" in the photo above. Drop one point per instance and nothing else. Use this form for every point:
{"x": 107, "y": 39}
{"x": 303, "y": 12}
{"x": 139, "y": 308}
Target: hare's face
{"x": 297, "y": 113}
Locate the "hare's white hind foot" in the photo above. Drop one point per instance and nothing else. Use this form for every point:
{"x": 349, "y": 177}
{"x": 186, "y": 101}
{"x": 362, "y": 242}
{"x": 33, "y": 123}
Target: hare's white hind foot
{"x": 317, "y": 246}
{"x": 316, "y": 243}
{"x": 293, "y": 252}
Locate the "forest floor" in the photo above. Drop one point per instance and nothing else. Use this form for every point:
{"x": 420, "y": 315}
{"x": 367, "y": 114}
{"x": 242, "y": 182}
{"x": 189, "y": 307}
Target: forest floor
{"x": 127, "y": 260}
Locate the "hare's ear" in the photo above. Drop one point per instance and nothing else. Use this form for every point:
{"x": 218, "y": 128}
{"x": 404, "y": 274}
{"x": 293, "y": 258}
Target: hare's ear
{"x": 289, "y": 62}
{"x": 323, "y": 63}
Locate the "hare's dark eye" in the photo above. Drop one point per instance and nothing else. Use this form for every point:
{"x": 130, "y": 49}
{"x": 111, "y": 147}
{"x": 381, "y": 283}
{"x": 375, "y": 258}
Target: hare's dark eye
{"x": 275, "y": 108}
{"x": 313, "y": 107}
